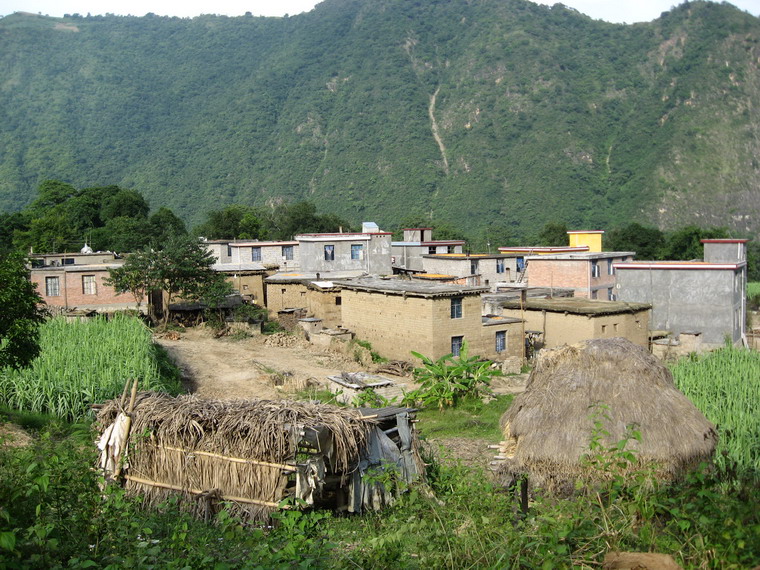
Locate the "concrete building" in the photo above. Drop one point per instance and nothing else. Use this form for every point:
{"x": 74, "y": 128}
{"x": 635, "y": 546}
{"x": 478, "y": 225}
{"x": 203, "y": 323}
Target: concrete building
{"x": 368, "y": 251}
{"x": 487, "y": 270}
{"x": 407, "y": 254}
{"x": 571, "y": 320}
{"x": 704, "y": 298}
{"x": 400, "y": 316}
{"x": 279, "y": 255}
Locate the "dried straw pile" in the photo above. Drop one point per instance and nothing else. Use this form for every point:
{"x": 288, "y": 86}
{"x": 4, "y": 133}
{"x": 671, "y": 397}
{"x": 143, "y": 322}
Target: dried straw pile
{"x": 220, "y": 450}
{"x": 548, "y": 428}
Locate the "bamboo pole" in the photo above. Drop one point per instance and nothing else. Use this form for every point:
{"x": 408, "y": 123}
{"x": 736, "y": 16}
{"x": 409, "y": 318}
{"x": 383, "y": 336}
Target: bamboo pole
{"x": 283, "y": 466}
{"x": 152, "y": 483}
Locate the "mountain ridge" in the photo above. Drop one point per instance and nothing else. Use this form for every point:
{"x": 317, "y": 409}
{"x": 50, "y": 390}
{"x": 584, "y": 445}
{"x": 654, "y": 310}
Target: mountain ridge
{"x": 541, "y": 113}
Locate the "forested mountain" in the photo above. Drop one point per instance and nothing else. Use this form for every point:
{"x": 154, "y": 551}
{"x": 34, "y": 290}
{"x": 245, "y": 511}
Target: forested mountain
{"x": 497, "y": 115}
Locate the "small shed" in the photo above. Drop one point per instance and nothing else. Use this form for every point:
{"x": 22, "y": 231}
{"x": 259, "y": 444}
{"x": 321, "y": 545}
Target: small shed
{"x": 350, "y": 385}
{"x": 257, "y": 455}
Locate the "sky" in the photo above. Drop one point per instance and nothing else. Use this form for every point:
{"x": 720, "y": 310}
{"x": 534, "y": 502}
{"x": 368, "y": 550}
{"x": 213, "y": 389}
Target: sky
{"x": 621, "y": 11}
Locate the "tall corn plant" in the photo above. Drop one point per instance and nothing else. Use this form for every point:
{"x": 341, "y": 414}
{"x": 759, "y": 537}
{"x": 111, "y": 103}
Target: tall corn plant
{"x": 448, "y": 380}
{"x": 725, "y": 386}
{"x": 82, "y": 363}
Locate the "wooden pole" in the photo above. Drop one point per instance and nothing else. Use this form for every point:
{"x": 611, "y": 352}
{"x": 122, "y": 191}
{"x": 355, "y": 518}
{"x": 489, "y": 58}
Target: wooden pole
{"x": 283, "y": 466}
{"x": 128, "y": 426}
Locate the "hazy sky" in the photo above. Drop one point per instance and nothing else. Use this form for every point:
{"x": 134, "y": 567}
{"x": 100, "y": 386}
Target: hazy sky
{"x": 628, "y": 11}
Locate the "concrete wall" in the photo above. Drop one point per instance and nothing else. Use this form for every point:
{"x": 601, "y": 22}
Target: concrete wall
{"x": 729, "y": 251}
{"x": 375, "y": 257}
{"x": 271, "y": 254}
{"x": 710, "y": 301}
{"x": 569, "y": 328}
{"x": 72, "y": 293}
{"x": 461, "y": 267}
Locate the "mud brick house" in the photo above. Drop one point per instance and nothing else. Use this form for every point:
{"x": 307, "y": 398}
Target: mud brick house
{"x": 569, "y": 320}
{"x": 246, "y": 278}
{"x": 397, "y": 316}
{"x": 482, "y": 269}
{"x": 705, "y": 298}
{"x": 407, "y": 255}
{"x": 315, "y": 293}
{"x": 77, "y": 281}
{"x": 368, "y": 251}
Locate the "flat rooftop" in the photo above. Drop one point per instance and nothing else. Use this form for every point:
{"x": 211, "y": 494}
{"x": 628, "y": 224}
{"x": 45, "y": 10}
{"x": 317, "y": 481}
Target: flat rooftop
{"x": 578, "y": 306}
{"x": 410, "y": 288}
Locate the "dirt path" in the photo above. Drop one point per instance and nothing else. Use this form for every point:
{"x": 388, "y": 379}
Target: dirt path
{"x": 250, "y": 368}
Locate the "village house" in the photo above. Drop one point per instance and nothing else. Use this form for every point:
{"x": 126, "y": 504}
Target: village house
{"x": 590, "y": 273}
{"x": 703, "y": 298}
{"x": 570, "y": 320}
{"x": 279, "y": 255}
{"x": 77, "y": 281}
{"x": 397, "y": 316}
{"x": 520, "y": 253}
{"x": 407, "y": 255}
{"x": 480, "y": 269}
{"x": 368, "y": 251}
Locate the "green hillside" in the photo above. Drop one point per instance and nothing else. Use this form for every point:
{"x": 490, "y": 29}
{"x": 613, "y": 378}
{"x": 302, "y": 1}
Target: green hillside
{"x": 484, "y": 113}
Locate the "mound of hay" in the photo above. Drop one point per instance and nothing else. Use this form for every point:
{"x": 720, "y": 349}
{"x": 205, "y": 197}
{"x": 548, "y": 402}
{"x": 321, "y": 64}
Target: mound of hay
{"x": 548, "y": 428}
{"x": 240, "y": 451}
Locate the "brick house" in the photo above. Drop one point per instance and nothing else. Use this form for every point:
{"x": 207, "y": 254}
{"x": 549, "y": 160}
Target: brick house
{"x": 570, "y": 320}
{"x": 590, "y": 274}
{"x": 434, "y": 319}
{"x": 72, "y": 286}
{"x": 706, "y": 298}
{"x": 407, "y": 254}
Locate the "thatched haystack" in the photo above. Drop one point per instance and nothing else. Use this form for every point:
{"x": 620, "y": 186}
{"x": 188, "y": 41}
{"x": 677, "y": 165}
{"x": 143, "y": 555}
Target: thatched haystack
{"x": 253, "y": 453}
{"x": 548, "y": 428}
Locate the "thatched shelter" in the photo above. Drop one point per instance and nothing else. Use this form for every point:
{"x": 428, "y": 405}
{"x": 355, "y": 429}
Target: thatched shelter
{"x": 548, "y": 428}
{"x": 255, "y": 453}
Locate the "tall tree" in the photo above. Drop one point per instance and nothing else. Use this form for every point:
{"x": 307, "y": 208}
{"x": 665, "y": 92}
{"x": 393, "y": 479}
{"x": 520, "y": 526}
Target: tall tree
{"x": 20, "y": 316}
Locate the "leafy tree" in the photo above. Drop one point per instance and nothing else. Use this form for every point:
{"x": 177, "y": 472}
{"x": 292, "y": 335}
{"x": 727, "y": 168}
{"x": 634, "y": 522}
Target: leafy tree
{"x": 165, "y": 225}
{"x": 552, "y": 234}
{"x": 232, "y": 222}
{"x": 685, "y": 244}
{"x": 181, "y": 268}
{"x": 20, "y": 316}
{"x": 646, "y": 242}
{"x": 288, "y": 220}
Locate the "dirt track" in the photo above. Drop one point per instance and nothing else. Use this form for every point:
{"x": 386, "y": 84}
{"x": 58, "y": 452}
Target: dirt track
{"x": 250, "y": 368}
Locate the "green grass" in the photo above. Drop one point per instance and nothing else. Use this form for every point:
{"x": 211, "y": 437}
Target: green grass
{"x": 753, "y": 289}
{"x": 471, "y": 418}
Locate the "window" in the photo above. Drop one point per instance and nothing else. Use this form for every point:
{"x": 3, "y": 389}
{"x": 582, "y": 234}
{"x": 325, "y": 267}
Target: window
{"x": 499, "y": 266}
{"x": 338, "y": 301}
{"x": 610, "y": 269}
{"x": 287, "y": 252}
{"x": 520, "y": 264}
{"x": 501, "y": 341}
{"x": 610, "y": 295}
{"x": 473, "y": 267}
{"x": 594, "y": 269}
{"x": 67, "y": 261}
{"x": 255, "y": 254}
{"x": 456, "y": 308}
{"x": 357, "y": 251}
{"x": 431, "y": 250}
{"x": 229, "y": 250}
{"x": 593, "y": 294}
{"x": 456, "y": 344}
{"x": 329, "y": 253}
{"x": 52, "y": 287}
{"x": 450, "y": 249}
{"x": 604, "y": 329}
{"x": 88, "y": 285}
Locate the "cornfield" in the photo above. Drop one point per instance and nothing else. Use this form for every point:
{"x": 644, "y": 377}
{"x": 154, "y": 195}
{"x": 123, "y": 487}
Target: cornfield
{"x": 725, "y": 386}
{"x": 82, "y": 363}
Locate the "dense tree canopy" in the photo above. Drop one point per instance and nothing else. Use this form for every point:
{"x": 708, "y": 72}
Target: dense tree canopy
{"x": 21, "y": 314}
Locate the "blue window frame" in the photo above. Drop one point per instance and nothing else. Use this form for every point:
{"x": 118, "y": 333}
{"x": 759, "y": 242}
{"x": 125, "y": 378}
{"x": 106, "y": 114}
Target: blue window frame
{"x": 501, "y": 341}
{"x": 456, "y": 344}
{"x": 255, "y": 254}
{"x": 329, "y": 253}
{"x": 499, "y": 266}
{"x": 456, "y": 307}
{"x": 357, "y": 251}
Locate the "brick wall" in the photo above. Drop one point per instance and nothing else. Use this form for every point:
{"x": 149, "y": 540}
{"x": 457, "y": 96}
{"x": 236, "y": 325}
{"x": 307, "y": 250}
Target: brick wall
{"x": 285, "y": 296}
{"x": 71, "y": 290}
